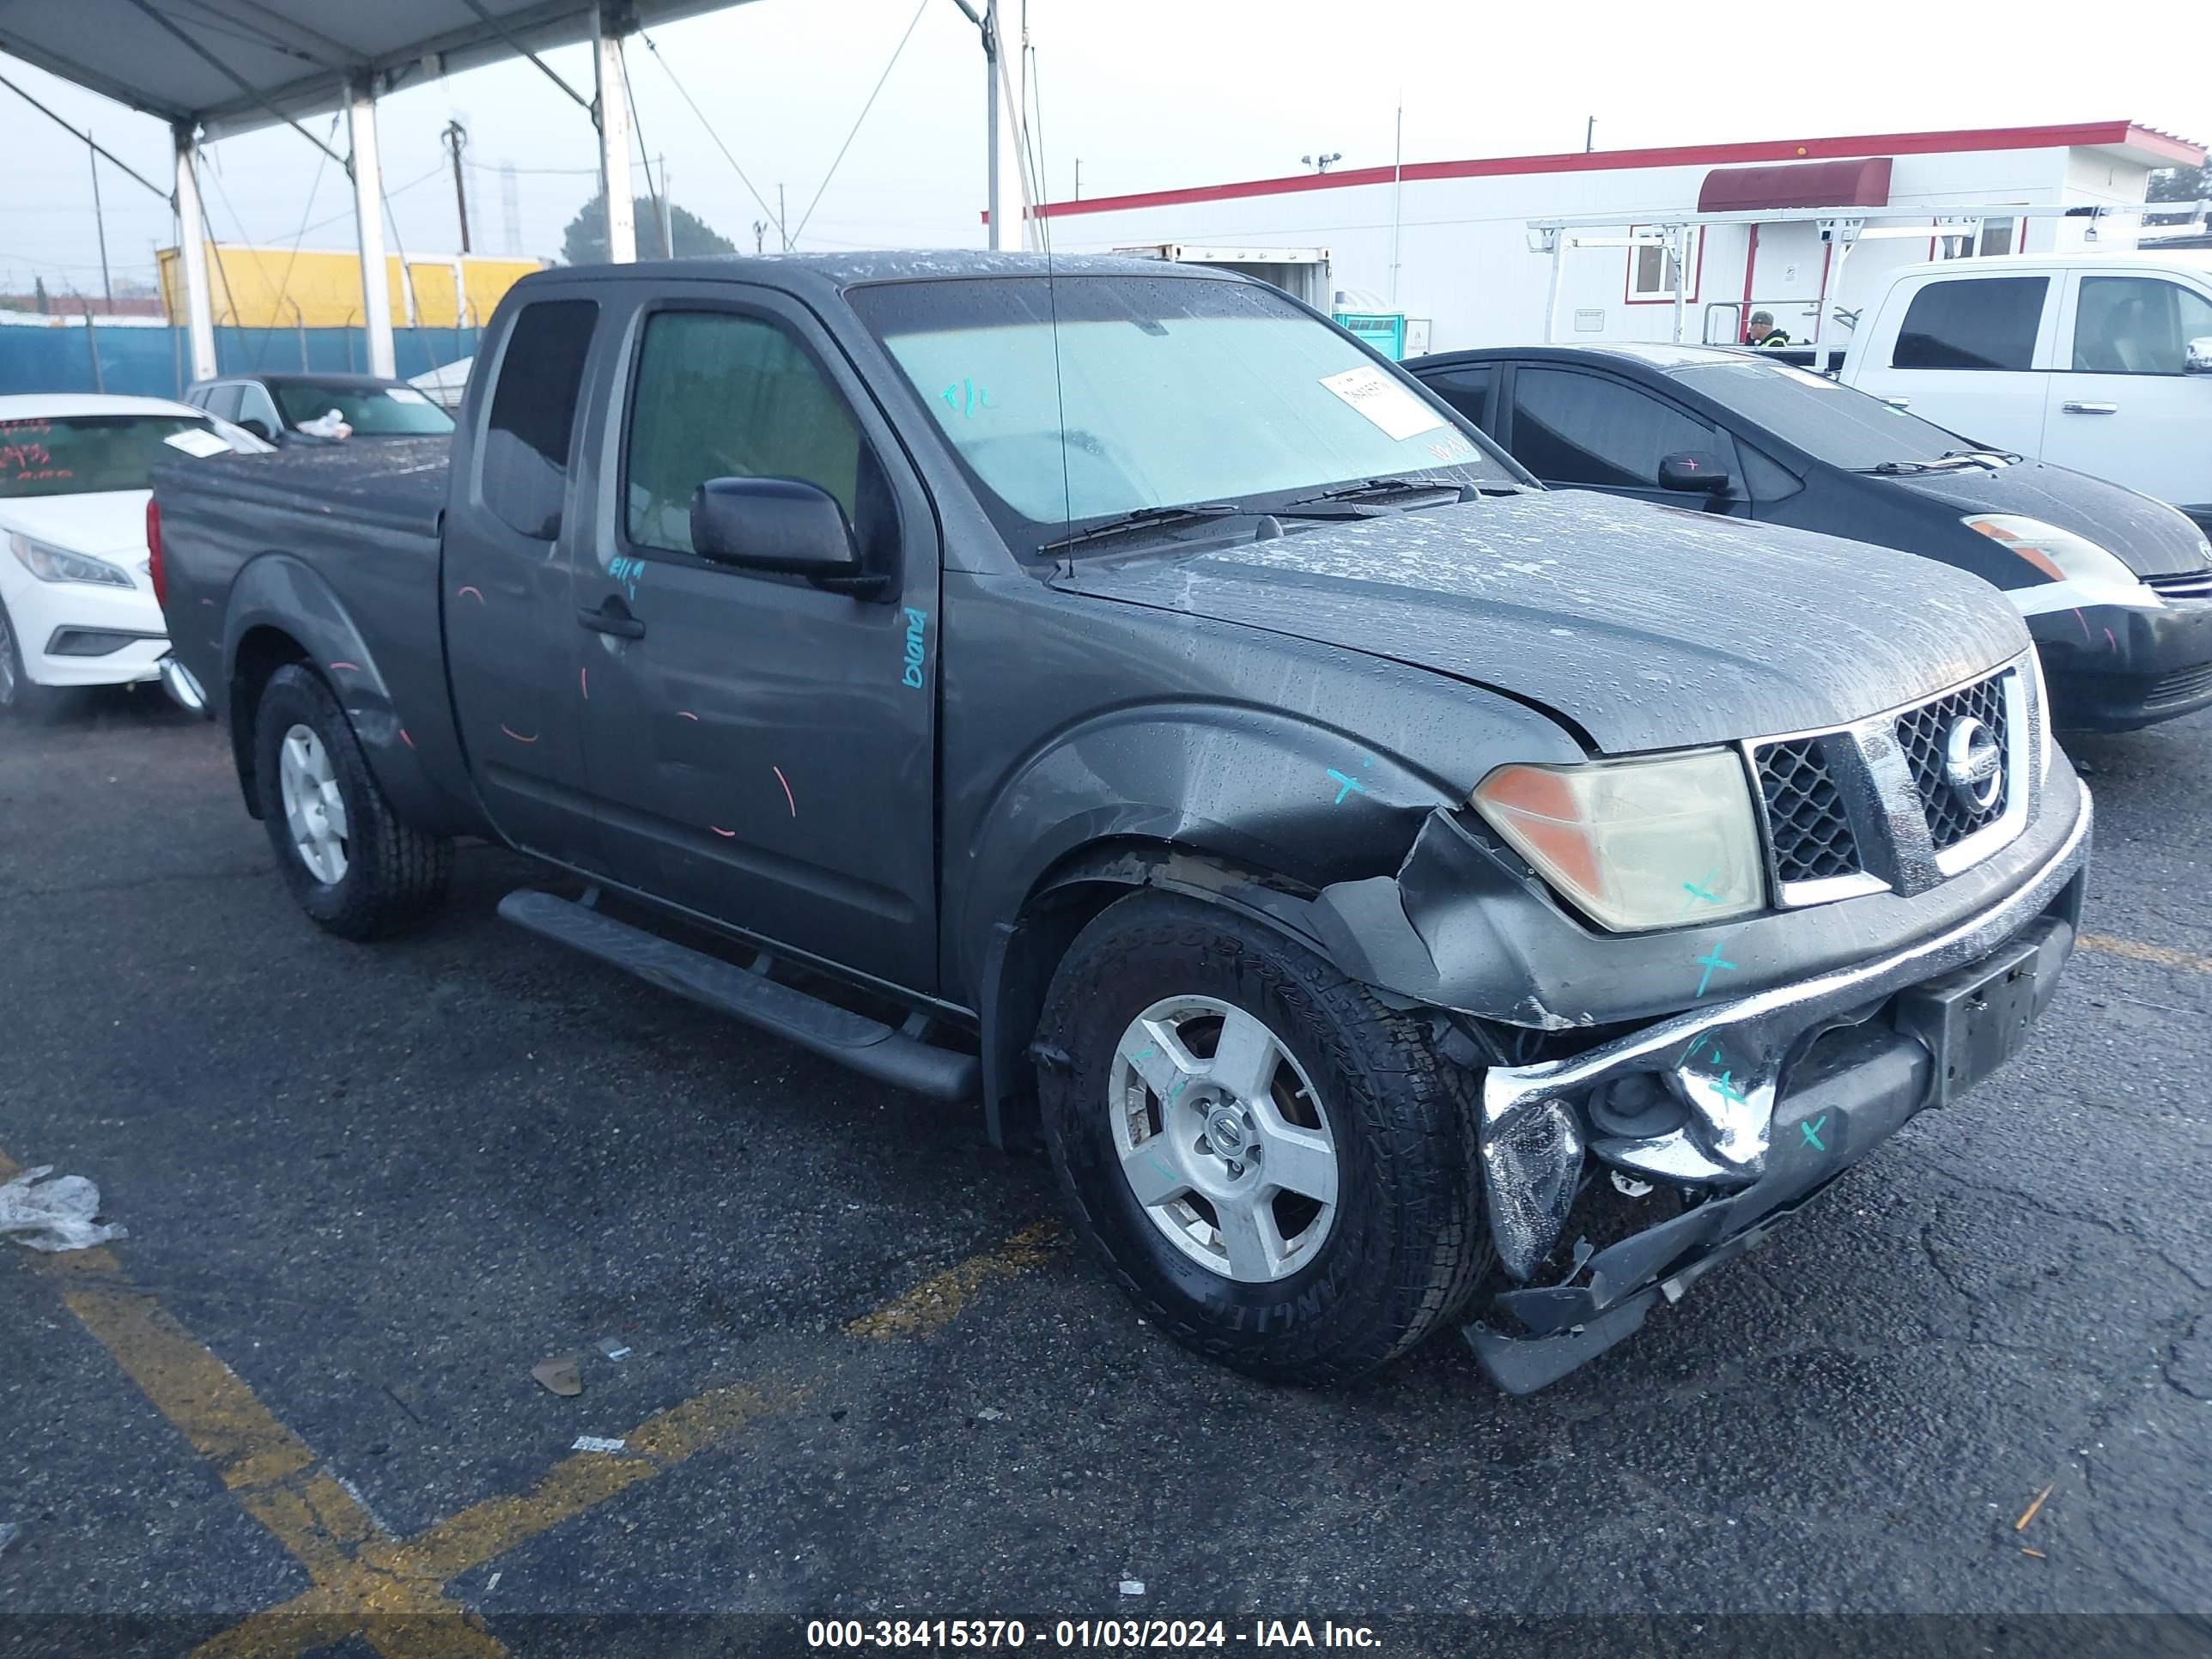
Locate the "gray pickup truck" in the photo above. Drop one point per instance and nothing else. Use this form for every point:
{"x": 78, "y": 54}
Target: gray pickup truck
{"x": 1395, "y": 894}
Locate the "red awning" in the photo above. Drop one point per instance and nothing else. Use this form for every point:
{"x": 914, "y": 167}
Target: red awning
{"x": 1803, "y": 185}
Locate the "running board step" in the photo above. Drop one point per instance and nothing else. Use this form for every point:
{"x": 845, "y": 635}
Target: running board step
{"x": 869, "y": 1047}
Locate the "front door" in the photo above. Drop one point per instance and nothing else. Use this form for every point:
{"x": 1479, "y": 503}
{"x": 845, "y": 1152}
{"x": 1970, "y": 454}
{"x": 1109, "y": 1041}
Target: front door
{"x": 2125, "y": 409}
{"x": 1966, "y": 356}
{"x": 1576, "y": 429}
{"x": 511, "y": 645}
{"x": 762, "y": 749}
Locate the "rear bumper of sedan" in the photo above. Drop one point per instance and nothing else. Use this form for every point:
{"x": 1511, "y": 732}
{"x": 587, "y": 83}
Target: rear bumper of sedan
{"x": 2117, "y": 667}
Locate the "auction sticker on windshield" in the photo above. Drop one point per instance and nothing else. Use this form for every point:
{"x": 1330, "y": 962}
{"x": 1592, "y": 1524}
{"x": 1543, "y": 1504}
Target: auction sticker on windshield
{"x": 1384, "y": 401}
{"x": 197, "y": 440}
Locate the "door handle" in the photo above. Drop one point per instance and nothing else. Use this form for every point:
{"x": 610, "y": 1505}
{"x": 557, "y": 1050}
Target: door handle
{"x": 617, "y": 621}
{"x": 2091, "y": 409}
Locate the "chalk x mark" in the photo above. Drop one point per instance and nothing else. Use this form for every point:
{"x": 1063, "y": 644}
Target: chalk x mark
{"x": 1349, "y": 783}
{"x": 1812, "y": 1132}
{"x": 786, "y": 782}
{"x": 1701, "y": 890}
{"x": 1709, "y": 962}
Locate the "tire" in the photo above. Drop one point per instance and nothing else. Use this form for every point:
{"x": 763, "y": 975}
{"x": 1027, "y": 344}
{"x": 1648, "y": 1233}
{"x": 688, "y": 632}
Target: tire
{"x": 21, "y": 698}
{"x": 1354, "y": 1283}
{"x": 386, "y": 877}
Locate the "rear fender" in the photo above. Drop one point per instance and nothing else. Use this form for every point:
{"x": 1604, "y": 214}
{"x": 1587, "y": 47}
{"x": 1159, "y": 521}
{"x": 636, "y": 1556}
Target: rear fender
{"x": 278, "y": 600}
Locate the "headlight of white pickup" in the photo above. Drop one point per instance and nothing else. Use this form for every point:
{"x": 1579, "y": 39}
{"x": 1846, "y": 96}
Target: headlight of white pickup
{"x": 2061, "y": 555}
{"x": 1635, "y": 843}
{"x": 59, "y": 564}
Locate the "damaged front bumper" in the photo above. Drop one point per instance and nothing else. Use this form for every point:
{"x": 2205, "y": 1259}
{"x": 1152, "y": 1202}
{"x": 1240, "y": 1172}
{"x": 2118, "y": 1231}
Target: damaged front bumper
{"x": 1745, "y": 1111}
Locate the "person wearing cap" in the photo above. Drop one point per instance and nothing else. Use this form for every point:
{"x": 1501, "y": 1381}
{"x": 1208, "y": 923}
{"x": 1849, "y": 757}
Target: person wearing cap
{"x": 1763, "y": 332}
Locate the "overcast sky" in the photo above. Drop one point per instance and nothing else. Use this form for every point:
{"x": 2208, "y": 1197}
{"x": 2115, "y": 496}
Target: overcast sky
{"x": 1148, "y": 94}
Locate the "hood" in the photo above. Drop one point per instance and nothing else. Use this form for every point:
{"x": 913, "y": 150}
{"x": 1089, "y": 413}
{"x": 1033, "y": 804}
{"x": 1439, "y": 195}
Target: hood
{"x": 111, "y": 522}
{"x": 1647, "y": 627}
{"x": 2149, "y": 537}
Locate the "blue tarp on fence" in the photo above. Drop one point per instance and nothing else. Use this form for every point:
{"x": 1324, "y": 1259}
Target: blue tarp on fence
{"x": 155, "y": 362}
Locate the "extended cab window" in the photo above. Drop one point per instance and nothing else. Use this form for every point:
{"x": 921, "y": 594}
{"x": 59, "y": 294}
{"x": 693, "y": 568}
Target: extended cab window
{"x": 533, "y": 414}
{"x": 723, "y": 395}
{"x": 1466, "y": 389}
{"x": 1579, "y": 429}
{"x": 1972, "y": 322}
{"x": 2138, "y": 324}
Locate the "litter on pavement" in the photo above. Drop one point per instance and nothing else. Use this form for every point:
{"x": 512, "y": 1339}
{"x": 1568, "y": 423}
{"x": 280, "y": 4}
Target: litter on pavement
{"x": 57, "y": 1215}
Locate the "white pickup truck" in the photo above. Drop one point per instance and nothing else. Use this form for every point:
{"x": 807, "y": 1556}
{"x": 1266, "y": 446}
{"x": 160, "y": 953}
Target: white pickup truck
{"x": 2098, "y": 361}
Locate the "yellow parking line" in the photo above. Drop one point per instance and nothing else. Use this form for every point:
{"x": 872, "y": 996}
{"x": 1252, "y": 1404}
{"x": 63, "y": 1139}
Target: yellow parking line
{"x": 2162, "y": 955}
{"x": 936, "y": 1303}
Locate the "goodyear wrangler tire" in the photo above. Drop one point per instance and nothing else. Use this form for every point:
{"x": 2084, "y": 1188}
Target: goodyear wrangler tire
{"x": 1266, "y": 1154}
{"x": 353, "y": 866}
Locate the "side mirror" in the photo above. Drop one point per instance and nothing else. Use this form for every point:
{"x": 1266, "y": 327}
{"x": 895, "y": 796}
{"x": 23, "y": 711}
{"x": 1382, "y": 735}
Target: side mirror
{"x": 773, "y": 524}
{"x": 1694, "y": 470}
{"x": 258, "y": 428}
{"x": 2199, "y": 360}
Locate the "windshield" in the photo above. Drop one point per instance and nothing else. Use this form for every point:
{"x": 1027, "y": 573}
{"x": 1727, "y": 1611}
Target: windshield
{"x": 86, "y": 454}
{"x": 1828, "y": 421}
{"x": 1168, "y": 391}
{"x": 372, "y": 411}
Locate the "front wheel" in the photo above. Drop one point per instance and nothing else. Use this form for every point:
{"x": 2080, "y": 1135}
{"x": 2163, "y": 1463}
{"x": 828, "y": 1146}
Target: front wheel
{"x": 20, "y": 696}
{"x": 1267, "y": 1156}
{"x": 352, "y": 865}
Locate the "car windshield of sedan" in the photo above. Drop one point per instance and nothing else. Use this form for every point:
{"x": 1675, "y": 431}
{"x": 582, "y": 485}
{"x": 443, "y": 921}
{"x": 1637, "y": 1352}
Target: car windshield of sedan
{"x": 373, "y": 411}
{"x": 1079, "y": 399}
{"x": 86, "y": 454}
{"x": 1830, "y": 422}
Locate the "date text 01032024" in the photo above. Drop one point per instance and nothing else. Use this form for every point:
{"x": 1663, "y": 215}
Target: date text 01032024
{"x": 934, "y": 1634}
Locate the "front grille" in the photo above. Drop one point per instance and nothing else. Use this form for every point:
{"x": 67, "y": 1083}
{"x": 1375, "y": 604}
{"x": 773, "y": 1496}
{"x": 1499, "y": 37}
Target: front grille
{"x": 1921, "y": 733}
{"x": 1805, "y": 819}
{"x": 2184, "y": 685}
{"x": 2189, "y": 585}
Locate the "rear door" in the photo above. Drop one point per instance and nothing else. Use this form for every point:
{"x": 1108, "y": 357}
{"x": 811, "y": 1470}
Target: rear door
{"x": 1971, "y": 352}
{"x": 762, "y": 749}
{"x": 2121, "y": 405}
{"x": 1580, "y": 428}
{"x": 513, "y": 647}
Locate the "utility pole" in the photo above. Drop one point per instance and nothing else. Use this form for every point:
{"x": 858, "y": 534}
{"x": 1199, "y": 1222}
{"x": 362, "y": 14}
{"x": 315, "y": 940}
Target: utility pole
{"x": 1078, "y": 178}
{"x": 780, "y": 221}
{"x": 456, "y": 137}
{"x": 1589, "y": 134}
{"x": 667, "y": 214}
{"x": 106, "y": 286}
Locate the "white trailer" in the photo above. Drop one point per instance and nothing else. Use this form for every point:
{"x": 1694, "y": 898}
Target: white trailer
{"x": 1300, "y": 272}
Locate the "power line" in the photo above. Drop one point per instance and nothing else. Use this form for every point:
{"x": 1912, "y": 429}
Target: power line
{"x": 855, "y": 132}
{"x": 711, "y": 133}
{"x": 284, "y": 282}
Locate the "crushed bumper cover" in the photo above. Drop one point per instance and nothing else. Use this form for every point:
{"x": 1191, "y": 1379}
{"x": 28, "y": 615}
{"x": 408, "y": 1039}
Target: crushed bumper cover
{"x": 1752, "y": 1107}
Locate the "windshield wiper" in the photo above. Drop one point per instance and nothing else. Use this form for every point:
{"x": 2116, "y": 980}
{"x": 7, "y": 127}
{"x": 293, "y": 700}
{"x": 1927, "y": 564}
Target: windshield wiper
{"x": 2004, "y": 455}
{"x": 1366, "y": 488}
{"x": 1148, "y": 517}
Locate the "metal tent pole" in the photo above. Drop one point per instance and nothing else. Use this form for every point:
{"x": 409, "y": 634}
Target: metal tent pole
{"x": 1002, "y": 63}
{"x": 613, "y": 108}
{"x": 192, "y": 255}
{"x": 368, "y": 223}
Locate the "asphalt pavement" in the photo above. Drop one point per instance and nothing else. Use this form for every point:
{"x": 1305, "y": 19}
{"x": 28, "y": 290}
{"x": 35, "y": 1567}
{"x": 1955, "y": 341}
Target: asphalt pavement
{"x": 861, "y": 1373}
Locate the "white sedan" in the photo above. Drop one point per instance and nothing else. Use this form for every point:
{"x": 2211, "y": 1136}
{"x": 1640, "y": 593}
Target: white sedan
{"x": 77, "y": 603}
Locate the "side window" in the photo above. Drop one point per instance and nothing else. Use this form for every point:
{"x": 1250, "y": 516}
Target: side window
{"x": 222, "y": 401}
{"x": 534, "y": 415}
{"x": 254, "y": 404}
{"x": 1467, "y": 390}
{"x": 2138, "y": 324}
{"x": 1978, "y": 322}
{"x": 1579, "y": 429}
{"x": 723, "y": 395}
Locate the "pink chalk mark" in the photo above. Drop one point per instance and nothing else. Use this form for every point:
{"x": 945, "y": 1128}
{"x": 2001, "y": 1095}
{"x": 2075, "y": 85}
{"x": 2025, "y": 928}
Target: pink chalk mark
{"x": 2085, "y": 636}
{"x": 726, "y": 835}
{"x": 404, "y": 738}
{"x": 786, "y": 782}
{"x": 2110, "y": 640}
{"x": 347, "y": 667}
{"x": 517, "y": 736}
{"x": 685, "y": 714}
{"x": 584, "y": 679}
{"x": 460, "y": 591}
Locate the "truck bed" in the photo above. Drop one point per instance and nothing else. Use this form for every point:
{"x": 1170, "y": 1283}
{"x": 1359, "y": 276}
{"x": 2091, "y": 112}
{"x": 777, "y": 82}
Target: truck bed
{"x": 400, "y": 483}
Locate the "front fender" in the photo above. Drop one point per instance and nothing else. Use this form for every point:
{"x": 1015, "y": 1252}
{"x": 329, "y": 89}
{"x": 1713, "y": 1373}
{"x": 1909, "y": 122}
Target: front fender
{"x": 280, "y": 593}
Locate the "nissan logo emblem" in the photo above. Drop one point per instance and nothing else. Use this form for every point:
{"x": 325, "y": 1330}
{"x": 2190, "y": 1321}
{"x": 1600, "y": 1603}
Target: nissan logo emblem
{"x": 1974, "y": 765}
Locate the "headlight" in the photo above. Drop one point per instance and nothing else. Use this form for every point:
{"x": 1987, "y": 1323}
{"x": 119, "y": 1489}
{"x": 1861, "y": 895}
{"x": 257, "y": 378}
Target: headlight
{"x": 1636, "y": 843}
{"x": 56, "y": 564}
{"x": 2059, "y": 554}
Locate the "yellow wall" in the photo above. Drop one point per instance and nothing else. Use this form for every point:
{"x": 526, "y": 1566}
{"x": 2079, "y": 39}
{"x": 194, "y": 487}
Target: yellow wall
{"x": 260, "y": 286}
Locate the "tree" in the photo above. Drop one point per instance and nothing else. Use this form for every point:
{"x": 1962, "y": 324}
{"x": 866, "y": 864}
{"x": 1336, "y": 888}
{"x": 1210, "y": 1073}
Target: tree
{"x": 585, "y": 241}
{"x": 2177, "y": 184}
